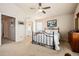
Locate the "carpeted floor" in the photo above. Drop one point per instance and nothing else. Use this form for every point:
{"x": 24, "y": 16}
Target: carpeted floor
{"x": 25, "y": 48}
{"x": 6, "y": 41}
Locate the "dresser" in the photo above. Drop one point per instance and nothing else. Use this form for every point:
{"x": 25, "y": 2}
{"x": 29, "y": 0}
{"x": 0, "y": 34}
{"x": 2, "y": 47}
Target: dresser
{"x": 73, "y": 38}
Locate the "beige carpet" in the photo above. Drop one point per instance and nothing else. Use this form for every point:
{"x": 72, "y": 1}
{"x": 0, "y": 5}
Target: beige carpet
{"x": 25, "y": 48}
{"x": 6, "y": 41}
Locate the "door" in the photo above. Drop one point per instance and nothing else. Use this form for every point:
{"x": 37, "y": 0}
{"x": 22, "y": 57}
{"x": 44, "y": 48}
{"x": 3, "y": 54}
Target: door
{"x": 12, "y": 29}
{"x": 7, "y": 28}
{"x": 29, "y": 29}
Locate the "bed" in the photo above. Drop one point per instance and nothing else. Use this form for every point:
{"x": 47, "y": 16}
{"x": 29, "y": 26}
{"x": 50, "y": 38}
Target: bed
{"x": 48, "y": 38}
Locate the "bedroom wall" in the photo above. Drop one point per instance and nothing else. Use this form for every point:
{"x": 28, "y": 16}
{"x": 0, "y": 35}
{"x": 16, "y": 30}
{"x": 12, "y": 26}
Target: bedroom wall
{"x": 65, "y": 23}
{"x": 13, "y": 11}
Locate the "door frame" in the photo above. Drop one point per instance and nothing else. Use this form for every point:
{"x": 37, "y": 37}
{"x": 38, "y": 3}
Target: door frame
{"x": 1, "y": 26}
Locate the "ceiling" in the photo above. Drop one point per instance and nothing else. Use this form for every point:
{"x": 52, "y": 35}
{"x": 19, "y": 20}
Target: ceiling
{"x": 56, "y": 8}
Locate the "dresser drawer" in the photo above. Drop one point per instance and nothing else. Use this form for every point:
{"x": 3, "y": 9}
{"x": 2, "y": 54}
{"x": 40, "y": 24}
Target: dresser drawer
{"x": 75, "y": 36}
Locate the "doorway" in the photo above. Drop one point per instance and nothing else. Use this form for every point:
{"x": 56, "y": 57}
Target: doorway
{"x": 8, "y": 29}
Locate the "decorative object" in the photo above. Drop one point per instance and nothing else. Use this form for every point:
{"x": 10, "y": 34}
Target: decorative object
{"x": 51, "y": 23}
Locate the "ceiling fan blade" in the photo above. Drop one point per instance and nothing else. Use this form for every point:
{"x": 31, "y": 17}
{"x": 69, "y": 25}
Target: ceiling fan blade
{"x": 40, "y": 4}
{"x": 46, "y": 7}
{"x": 44, "y": 12}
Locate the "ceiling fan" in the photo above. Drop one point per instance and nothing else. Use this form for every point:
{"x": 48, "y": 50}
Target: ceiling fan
{"x": 42, "y": 9}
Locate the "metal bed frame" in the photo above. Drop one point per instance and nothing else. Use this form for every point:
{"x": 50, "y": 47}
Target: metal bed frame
{"x": 41, "y": 42}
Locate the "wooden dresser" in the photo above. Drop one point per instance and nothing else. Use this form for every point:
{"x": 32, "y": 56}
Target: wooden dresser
{"x": 73, "y": 38}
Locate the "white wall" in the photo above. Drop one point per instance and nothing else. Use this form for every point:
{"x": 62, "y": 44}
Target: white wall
{"x": 65, "y": 23}
{"x": 13, "y": 11}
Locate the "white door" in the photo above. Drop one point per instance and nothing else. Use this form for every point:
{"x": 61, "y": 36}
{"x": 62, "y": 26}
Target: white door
{"x": 12, "y": 29}
{"x": 29, "y": 28}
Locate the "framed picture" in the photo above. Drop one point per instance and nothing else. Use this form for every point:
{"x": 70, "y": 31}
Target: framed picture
{"x": 52, "y": 23}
